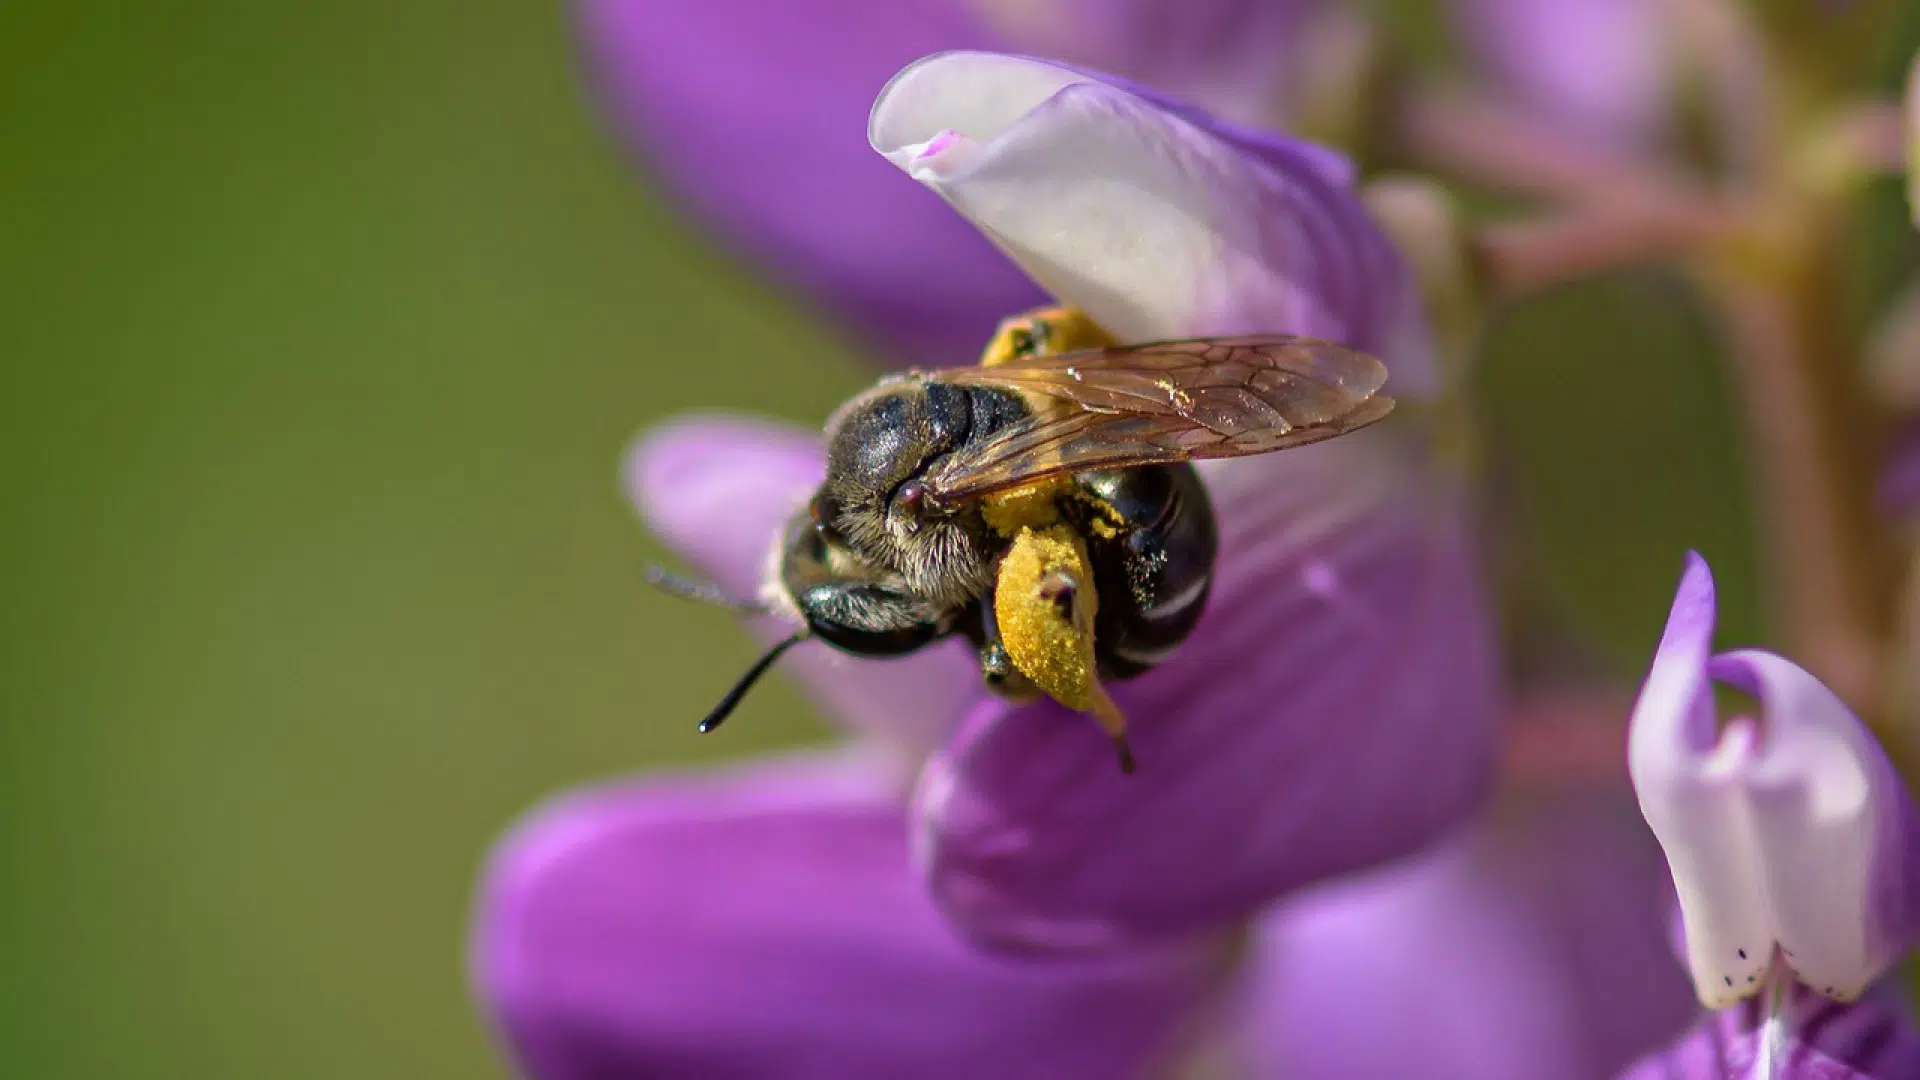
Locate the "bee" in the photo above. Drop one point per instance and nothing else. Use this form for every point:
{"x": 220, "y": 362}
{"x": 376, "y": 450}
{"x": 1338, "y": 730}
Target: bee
{"x": 1043, "y": 504}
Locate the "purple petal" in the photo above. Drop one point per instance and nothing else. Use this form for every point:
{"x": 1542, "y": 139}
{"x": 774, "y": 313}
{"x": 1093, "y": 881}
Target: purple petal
{"x": 765, "y": 923}
{"x": 720, "y": 492}
{"x": 1601, "y": 67}
{"x": 1349, "y": 982}
{"x": 1532, "y": 948}
{"x": 1814, "y": 1039}
{"x": 1156, "y": 220}
{"x": 1335, "y": 707}
{"x": 1792, "y": 830}
{"x": 1231, "y": 56}
{"x": 750, "y": 112}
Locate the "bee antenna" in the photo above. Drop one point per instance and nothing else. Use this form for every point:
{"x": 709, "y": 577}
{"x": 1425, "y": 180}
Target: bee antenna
{"x": 706, "y": 592}
{"x": 727, "y": 704}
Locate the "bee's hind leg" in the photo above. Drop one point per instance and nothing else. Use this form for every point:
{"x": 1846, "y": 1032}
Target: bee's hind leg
{"x": 1045, "y": 604}
{"x": 997, "y": 669}
{"x": 1004, "y": 678}
{"x": 1114, "y": 723}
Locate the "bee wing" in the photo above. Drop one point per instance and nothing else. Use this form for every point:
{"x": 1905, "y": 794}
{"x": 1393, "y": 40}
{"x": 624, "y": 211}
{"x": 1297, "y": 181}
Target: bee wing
{"x": 1163, "y": 402}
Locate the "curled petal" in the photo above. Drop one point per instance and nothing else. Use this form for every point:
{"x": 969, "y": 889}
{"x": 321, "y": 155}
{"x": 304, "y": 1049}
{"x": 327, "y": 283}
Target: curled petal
{"x": 719, "y": 491}
{"x": 1791, "y": 829}
{"x": 742, "y": 106}
{"x": 765, "y": 923}
{"x": 1835, "y": 823}
{"x": 1531, "y": 947}
{"x": 1155, "y": 219}
{"x": 1334, "y": 707}
{"x": 1811, "y": 1038}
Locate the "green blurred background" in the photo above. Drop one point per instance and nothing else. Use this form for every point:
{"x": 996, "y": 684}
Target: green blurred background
{"x": 324, "y": 327}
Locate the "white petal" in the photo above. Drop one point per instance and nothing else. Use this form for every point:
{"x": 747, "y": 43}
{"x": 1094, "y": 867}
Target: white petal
{"x": 1690, "y": 795}
{"x": 978, "y": 95}
{"x": 1158, "y": 222}
{"x": 1825, "y": 809}
{"x": 1790, "y": 831}
{"x": 1699, "y": 816}
{"x": 1061, "y": 192}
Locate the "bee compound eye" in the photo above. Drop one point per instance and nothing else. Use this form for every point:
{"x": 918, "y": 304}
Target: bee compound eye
{"x": 909, "y": 506}
{"x": 824, "y": 511}
{"x": 911, "y": 498}
{"x": 1021, "y": 341}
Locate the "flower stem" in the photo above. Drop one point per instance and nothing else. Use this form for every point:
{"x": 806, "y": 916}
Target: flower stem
{"x": 1566, "y": 741}
{"x": 1776, "y": 1000}
{"x": 1518, "y": 258}
{"x": 1471, "y": 137}
{"x": 1868, "y": 136}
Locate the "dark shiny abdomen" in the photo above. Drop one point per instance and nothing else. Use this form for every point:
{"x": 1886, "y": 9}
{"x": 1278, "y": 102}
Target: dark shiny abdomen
{"x": 1152, "y": 560}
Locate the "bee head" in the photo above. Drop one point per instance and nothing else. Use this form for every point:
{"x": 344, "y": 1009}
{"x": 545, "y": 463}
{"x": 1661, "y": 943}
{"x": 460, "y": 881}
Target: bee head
{"x": 874, "y": 503}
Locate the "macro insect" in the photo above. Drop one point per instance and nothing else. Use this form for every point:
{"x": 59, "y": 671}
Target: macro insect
{"x": 1043, "y": 504}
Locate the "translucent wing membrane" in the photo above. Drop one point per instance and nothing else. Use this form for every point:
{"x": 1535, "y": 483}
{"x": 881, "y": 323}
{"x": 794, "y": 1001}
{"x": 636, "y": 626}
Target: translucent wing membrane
{"x": 1166, "y": 401}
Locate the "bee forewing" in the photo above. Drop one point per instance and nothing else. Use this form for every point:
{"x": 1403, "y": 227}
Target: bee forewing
{"x": 1167, "y": 401}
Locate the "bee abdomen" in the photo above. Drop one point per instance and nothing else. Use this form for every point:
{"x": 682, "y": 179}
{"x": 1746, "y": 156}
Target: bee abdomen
{"x": 1152, "y": 539}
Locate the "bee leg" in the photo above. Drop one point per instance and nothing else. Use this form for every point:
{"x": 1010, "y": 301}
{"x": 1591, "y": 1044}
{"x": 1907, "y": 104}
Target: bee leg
{"x": 1045, "y": 605}
{"x": 1114, "y": 723}
{"x": 997, "y": 668}
{"x": 1061, "y": 589}
{"x": 1111, "y": 720}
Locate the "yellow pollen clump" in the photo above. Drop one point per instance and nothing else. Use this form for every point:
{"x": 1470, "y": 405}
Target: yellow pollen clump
{"x": 1043, "y": 332}
{"x": 1045, "y": 604}
{"x": 1044, "y": 600}
{"x": 1034, "y": 506}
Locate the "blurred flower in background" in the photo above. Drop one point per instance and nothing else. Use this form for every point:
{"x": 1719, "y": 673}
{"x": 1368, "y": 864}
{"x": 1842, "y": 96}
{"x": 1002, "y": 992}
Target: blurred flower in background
{"x": 1310, "y": 877}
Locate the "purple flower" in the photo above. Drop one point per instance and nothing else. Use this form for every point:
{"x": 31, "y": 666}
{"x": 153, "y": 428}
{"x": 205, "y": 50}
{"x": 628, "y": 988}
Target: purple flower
{"x": 1340, "y": 563}
{"x": 1226, "y": 756}
{"x": 1806, "y": 1037}
{"x": 770, "y": 919}
{"x": 1156, "y": 219}
{"x": 765, "y": 922}
{"x": 1334, "y": 709}
{"x": 1792, "y": 844}
{"x": 749, "y": 113}
{"x": 1534, "y": 946}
